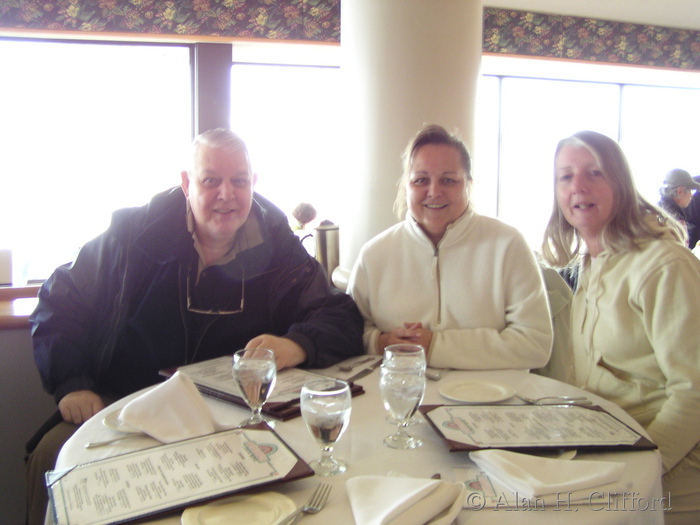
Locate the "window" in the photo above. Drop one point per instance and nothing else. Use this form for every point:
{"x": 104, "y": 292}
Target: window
{"x": 527, "y": 106}
{"x": 288, "y": 113}
{"x": 660, "y": 132}
{"x": 86, "y": 128}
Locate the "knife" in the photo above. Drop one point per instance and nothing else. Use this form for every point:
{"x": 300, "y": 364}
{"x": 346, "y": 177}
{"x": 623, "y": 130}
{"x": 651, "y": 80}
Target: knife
{"x": 365, "y": 371}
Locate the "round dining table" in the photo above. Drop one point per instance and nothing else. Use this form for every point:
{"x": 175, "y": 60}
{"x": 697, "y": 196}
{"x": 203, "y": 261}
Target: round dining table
{"x": 362, "y": 448}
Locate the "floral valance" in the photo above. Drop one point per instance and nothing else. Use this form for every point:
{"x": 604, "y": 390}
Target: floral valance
{"x": 505, "y": 31}
{"x": 568, "y": 37}
{"x": 314, "y": 20}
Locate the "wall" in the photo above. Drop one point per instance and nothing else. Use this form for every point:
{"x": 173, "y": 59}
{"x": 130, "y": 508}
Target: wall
{"x": 24, "y": 406}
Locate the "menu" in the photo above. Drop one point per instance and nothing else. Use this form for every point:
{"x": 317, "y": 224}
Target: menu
{"x": 522, "y": 427}
{"x": 171, "y": 477}
{"x": 214, "y": 378}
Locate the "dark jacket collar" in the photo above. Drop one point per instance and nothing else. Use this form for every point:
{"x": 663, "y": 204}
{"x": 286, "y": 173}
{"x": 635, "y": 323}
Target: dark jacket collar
{"x": 163, "y": 237}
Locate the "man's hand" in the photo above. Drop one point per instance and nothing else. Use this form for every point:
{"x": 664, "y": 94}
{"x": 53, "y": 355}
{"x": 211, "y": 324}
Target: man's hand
{"x": 287, "y": 353}
{"x": 409, "y": 333}
{"x": 79, "y": 406}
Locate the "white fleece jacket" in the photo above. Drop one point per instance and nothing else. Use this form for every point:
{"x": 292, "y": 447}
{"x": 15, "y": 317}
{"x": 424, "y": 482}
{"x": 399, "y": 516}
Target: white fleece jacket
{"x": 480, "y": 291}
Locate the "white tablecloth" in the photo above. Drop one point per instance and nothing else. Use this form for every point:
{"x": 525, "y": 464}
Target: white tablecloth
{"x": 362, "y": 448}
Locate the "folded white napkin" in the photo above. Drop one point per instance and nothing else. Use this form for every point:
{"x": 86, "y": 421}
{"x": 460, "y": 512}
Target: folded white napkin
{"x": 382, "y": 500}
{"x": 172, "y": 411}
{"x": 533, "y": 476}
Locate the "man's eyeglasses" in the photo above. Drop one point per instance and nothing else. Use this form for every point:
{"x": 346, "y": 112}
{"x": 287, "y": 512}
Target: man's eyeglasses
{"x": 191, "y": 308}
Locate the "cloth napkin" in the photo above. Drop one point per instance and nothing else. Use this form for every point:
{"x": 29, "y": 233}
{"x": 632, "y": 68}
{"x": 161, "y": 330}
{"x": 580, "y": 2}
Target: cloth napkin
{"x": 383, "y": 500}
{"x": 172, "y": 411}
{"x": 534, "y": 477}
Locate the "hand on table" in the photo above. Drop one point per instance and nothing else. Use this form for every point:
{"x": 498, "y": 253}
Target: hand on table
{"x": 409, "y": 333}
{"x": 288, "y": 354}
{"x": 79, "y": 406}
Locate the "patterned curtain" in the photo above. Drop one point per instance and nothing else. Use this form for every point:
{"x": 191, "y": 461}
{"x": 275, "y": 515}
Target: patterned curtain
{"x": 313, "y": 20}
{"x": 568, "y": 37}
{"x": 505, "y": 31}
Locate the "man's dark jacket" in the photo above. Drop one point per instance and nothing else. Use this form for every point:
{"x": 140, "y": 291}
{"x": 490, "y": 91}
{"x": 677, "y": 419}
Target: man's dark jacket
{"x": 109, "y": 321}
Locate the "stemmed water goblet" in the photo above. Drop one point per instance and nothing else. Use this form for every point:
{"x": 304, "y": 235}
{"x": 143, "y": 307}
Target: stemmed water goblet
{"x": 392, "y": 352}
{"x": 255, "y": 373}
{"x": 401, "y": 387}
{"x": 325, "y": 408}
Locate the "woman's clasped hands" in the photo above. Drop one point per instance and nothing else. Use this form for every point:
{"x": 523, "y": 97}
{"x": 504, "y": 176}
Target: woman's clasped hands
{"x": 410, "y": 332}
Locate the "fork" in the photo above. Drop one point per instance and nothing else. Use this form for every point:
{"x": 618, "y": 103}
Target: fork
{"x": 554, "y": 400}
{"x": 315, "y": 504}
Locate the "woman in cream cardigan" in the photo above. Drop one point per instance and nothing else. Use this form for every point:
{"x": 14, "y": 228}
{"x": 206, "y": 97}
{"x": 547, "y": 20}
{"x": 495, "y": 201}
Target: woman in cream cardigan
{"x": 465, "y": 287}
{"x": 636, "y": 308}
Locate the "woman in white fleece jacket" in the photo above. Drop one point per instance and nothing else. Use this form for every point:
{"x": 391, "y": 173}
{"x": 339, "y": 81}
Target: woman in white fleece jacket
{"x": 636, "y": 309}
{"x": 465, "y": 287}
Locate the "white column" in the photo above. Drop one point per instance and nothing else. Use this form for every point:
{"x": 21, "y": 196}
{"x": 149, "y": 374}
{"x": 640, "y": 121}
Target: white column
{"x": 405, "y": 63}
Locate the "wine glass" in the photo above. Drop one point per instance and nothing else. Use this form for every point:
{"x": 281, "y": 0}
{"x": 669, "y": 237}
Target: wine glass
{"x": 405, "y": 351}
{"x": 255, "y": 373}
{"x": 401, "y": 387}
{"x": 325, "y": 408}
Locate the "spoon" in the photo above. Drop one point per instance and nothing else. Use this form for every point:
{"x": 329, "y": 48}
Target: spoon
{"x": 435, "y": 374}
{"x": 349, "y": 366}
{"x": 555, "y": 400}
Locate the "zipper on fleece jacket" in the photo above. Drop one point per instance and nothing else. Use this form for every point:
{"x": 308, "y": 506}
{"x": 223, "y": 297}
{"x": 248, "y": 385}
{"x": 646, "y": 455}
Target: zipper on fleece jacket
{"x": 436, "y": 278}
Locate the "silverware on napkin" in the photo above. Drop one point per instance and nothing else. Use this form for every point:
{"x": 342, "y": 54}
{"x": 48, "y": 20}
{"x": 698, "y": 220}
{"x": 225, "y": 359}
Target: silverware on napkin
{"x": 366, "y": 371}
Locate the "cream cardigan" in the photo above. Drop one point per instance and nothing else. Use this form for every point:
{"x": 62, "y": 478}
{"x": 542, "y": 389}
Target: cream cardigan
{"x": 635, "y": 319}
{"x": 480, "y": 291}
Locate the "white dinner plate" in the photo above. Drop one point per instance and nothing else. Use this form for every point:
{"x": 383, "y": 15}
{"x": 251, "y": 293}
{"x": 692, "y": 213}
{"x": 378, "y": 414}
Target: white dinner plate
{"x": 476, "y": 392}
{"x": 112, "y": 422}
{"x": 266, "y": 508}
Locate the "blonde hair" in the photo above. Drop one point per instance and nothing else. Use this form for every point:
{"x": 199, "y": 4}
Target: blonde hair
{"x": 430, "y": 134}
{"x": 628, "y": 224}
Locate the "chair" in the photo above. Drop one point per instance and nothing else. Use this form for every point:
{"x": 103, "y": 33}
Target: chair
{"x": 559, "y": 296}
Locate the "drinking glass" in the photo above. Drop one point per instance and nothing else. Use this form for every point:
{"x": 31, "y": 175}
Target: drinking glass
{"x": 255, "y": 373}
{"x": 405, "y": 351}
{"x": 325, "y": 408}
{"x": 401, "y": 387}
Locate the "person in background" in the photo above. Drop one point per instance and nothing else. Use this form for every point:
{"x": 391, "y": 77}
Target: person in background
{"x": 465, "y": 287}
{"x": 199, "y": 272}
{"x": 692, "y": 216}
{"x": 676, "y": 194}
{"x": 636, "y": 306}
